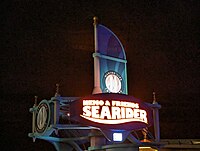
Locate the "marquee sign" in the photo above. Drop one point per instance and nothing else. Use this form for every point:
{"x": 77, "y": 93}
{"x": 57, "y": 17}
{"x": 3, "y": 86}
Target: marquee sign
{"x": 111, "y": 111}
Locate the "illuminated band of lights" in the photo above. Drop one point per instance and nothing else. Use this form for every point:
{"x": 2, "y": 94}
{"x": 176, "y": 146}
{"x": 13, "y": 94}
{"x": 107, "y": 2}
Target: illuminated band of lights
{"x": 120, "y": 121}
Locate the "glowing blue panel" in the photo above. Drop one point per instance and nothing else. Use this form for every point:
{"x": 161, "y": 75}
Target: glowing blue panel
{"x": 117, "y": 137}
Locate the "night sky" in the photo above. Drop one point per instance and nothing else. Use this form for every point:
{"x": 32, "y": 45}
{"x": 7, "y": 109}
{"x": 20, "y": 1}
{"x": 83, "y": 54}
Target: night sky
{"x": 48, "y": 42}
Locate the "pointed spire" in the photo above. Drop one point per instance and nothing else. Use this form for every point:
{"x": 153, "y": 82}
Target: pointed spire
{"x": 36, "y": 97}
{"x": 95, "y": 18}
{"x": 57, "y": 90}
{"x": 144, "y": 132}
{"x": 154, "y": 97}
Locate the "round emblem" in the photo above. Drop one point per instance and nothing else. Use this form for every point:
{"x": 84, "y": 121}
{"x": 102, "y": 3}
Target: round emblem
{"x": 42, "y": 118}
{"x": 113, "y": 82}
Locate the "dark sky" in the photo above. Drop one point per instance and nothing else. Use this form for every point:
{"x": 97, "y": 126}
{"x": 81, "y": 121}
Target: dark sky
{"x": 49, "y": 42}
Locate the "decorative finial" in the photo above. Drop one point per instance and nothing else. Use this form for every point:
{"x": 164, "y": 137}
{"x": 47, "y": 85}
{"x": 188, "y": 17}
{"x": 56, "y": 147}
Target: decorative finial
{"x": 144, "y": 132}
{"x": 95, "y": 18}
{"x": 154, "y": 97}
{"x": 57, "y": 90}
{"x": 36, "y": 97}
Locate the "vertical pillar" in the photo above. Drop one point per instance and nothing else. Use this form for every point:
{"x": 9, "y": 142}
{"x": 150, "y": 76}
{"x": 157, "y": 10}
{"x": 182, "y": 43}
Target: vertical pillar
{"x": 56, "y": 109}
{"x": 97, "y": 88}
{"x": 33, "y": 117}
{"x": 96, "y": 139}
{"x": 156, "y": 108}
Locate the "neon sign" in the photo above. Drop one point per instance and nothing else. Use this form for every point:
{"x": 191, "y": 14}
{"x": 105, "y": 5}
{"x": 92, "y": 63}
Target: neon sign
{"x": 113, "y": 112}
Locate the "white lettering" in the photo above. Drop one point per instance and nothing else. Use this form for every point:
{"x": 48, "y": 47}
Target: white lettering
{"x": 125, "y": 104}
{"x": 105, "y": 113}
{"x": 86, "y": 111}
{"x": 95, "y": 111}
{"x": 116, "y": 113}
{"x": 143, "y": 115}
{"x": 93, "y": 102}
{"x": 136, "y": 113}
{"x": 123, "y": 112}
{"x": 120, "y": 111}
{"x": 129, "y": 113}
{"x": 107, "y": 103}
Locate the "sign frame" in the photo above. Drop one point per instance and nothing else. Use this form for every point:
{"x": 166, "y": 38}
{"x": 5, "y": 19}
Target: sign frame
{"x": 77, "y": 114}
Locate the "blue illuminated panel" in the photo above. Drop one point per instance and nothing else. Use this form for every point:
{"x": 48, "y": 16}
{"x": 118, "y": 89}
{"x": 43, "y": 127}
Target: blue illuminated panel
{"x": 117, "y": 137}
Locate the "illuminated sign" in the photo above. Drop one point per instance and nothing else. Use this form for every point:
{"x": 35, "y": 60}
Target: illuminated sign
{"x": 111, "y": 110}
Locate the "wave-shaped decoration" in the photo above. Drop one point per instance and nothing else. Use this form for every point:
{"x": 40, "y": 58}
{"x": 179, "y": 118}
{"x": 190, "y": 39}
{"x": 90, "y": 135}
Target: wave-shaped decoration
{"x": 119, "y": 121}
